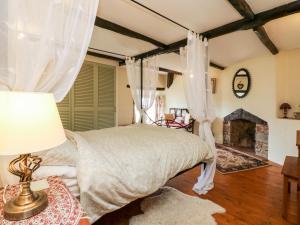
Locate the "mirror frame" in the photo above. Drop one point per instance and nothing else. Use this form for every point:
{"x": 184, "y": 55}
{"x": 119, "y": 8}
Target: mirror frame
{"x": 247, "y": 75}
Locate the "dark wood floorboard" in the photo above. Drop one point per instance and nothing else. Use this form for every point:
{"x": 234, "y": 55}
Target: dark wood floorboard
{"x": 251, "y": 197}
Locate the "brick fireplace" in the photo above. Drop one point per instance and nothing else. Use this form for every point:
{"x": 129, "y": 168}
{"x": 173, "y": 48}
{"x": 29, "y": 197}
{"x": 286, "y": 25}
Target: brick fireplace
{"x": 243, "y": 129}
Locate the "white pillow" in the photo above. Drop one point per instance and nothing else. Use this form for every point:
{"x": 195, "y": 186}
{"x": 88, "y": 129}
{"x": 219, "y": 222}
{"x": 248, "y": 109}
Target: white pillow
{"x": 68, "y": 174}
{"x": 62, "y": 155}
{"x": 187, "y": 118}
{"x": 65, "y": 172}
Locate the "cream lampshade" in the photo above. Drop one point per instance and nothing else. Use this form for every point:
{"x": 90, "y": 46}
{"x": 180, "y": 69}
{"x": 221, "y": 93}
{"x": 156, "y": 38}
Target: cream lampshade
{"x": 29, "y": 122}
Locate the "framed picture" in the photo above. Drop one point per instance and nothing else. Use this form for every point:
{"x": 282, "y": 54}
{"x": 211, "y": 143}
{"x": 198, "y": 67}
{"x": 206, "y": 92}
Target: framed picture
{"x": 213, "y": 85}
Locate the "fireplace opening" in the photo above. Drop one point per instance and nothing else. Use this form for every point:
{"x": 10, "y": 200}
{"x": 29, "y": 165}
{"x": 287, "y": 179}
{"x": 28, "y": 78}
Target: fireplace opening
{"x": 246, "y": 132}
{"x": 243, "y": 134}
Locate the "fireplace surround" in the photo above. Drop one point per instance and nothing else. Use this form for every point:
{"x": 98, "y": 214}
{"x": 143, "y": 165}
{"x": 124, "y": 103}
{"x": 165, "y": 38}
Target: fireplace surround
{"x": 243, "y": 129}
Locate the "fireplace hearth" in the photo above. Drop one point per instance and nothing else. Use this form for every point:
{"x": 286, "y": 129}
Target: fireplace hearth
{"x": 244, "y": 130}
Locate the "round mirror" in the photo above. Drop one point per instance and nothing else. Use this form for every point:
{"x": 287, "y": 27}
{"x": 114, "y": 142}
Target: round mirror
{"x": 241, "y": 83}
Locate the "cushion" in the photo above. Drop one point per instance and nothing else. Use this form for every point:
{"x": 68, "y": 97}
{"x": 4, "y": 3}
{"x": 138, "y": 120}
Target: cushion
{"x": 169, "y": 116}
{"x": 62, "y": 155}
{"x": 187, "y": 118}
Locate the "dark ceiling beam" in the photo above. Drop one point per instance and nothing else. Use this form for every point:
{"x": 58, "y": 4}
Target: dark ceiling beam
{"x": 263, "y": 36}
{"x": 243, "y": 24}
{"x": 105, "y": 24}
{"x": 169, "y": 71}
{"x": 212, "y": 64}
{"x": 259, "y": 20}
{"x": 99, "y": 55}
{"x": 244, "y": 9}
{"x": 217, "y": 66}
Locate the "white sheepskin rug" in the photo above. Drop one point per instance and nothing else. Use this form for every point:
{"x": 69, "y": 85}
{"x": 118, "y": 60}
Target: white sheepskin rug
{"x": 172, "y": 207}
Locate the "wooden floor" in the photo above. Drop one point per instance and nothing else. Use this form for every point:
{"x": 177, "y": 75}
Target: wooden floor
{"x": 252, "y": 197}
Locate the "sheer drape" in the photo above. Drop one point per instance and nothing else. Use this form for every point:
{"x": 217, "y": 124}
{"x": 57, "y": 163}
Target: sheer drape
{"x": 199, "y": 98}
{"x": 159, "y": 106}
{"x": 150, "y": 77}
{"x": 43, "y": 43}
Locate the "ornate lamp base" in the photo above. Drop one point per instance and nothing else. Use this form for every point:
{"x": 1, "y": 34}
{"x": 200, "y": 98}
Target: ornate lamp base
{"x": 28, "y": 203}
{"x": 15, "y": 210}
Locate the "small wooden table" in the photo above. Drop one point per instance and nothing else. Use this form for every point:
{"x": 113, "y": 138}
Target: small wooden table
{"x": 290, "y": 174}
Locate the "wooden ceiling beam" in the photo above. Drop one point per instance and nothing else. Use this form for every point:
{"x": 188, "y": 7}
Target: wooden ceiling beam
{"x": 169, "y": 71}
{"x": 99, "y": 55}
{"x": 244, "y": 9}
{"x": 264, "y": 38}
{"x": 105, "y": 24}
{"x": 243, "y": 24}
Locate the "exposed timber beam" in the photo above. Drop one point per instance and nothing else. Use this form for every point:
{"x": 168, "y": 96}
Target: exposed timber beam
{"x": 169, "y": 71}
{"x": 263, "y": 36}
{"x": 217, "y": 66}
{"x": 244, "y": 9}
{"x": 170, "y": 79}
{"x": 244, "y": 24}
{"x": 105, "y": 24}
{"x": 212, "y": 64}
{"x": 99, "y": 55}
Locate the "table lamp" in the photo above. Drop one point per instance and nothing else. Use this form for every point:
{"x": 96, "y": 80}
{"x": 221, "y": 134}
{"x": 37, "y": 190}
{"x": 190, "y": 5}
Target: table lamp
{"x": 29, "y": 122}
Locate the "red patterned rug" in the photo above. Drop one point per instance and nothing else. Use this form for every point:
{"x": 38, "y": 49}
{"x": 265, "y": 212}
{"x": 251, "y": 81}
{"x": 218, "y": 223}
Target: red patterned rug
{"x": 231, "y": 161}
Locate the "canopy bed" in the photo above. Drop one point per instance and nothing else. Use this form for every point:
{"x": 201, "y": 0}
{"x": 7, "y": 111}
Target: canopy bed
{"x": 111, "y": 167}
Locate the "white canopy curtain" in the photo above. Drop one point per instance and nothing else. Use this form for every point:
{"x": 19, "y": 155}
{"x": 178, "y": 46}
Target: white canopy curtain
{"x": 42, "y": 46}
{"x": 43, "y": 43}
{"x": 150, "y": 78}
{"x": 199, "y": 99}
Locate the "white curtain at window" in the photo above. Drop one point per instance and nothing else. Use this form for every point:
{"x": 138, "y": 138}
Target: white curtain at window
{"x": 150, "y": 78}
{"x": 199, "y": 99}
{"x": 43, "y": 43}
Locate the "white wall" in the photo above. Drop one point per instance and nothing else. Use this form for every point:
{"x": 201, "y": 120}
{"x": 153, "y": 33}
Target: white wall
{"x": 174, "y": 95}
{"x": 262, "y": 101}
{"x": 125, "y": 101}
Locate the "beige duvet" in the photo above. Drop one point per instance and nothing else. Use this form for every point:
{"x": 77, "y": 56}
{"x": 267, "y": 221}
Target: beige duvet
{"x": 118, "y": 165}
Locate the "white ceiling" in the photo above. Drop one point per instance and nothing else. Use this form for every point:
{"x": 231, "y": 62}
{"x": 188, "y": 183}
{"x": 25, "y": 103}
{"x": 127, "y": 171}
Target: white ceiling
{"x": 285, "y": 32}
{"x": 258, "y": 6}
{"x": 198, "y": 15}
{"x": 235, "y": 47}
{"x": 110, "y": 41}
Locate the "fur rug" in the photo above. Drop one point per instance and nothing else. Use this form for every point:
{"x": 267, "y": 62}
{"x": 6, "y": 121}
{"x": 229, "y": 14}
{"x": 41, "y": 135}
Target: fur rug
{"x": 172, "y": 207}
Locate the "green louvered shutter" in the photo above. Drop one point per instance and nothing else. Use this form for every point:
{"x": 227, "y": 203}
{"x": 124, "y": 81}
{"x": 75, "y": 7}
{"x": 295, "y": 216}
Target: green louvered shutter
{"x": 65, "y": 111}
{"x": 106, "y": 97}
{"x": 83, "y": 100}
{"x": 91, "y": 103}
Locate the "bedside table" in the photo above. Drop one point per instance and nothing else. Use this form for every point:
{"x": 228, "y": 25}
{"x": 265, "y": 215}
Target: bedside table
{"x": 63, "y": 208}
